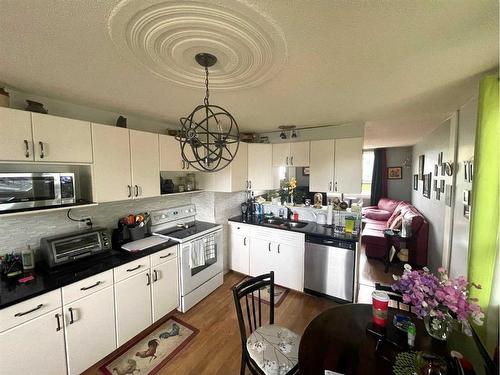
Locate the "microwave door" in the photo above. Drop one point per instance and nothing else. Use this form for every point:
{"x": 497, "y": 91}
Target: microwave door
{"x": 28, "y": 190}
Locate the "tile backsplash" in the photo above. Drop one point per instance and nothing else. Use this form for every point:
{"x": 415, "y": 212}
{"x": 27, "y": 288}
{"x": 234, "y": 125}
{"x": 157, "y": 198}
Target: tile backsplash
{"x": 19, "y": 231}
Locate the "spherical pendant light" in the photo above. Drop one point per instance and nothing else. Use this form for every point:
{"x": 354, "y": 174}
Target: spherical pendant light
{"x": 209, "y": 136}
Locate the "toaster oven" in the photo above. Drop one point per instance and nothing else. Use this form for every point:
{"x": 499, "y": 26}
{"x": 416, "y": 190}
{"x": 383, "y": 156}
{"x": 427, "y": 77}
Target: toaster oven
{"x": 67, "y": 248}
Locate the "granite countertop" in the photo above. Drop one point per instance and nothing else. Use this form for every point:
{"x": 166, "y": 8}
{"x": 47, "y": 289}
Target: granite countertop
{"x": 311, "y": 228}
{"x": 12, "y": 292}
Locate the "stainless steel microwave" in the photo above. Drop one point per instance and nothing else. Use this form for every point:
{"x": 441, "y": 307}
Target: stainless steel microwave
{"x": 33, "y": 190}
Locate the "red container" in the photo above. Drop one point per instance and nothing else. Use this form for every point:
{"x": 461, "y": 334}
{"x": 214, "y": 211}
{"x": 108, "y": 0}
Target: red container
{"x": 380, "y": 303}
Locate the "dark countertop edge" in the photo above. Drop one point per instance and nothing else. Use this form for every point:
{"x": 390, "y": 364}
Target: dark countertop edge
{"x": 309, "y": 229}
{"x": 114, "y": 258}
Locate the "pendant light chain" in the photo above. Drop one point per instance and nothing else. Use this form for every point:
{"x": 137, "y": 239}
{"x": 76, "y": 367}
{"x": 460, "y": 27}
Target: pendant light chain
{"x": 207, "y": 92}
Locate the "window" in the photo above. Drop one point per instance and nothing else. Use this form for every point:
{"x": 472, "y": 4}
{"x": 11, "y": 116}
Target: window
{"x": 368, "y": 158}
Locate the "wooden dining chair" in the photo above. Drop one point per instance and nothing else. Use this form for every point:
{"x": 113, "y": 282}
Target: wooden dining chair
{"x": 265, "y": 348}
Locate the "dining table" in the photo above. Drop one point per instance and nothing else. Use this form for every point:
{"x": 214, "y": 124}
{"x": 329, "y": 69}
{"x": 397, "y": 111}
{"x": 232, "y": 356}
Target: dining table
{"x": 340, "y": 340}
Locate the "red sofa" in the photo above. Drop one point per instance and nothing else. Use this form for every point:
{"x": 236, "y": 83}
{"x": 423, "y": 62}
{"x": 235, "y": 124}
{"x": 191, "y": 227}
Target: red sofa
{"x": 380, "y": 217}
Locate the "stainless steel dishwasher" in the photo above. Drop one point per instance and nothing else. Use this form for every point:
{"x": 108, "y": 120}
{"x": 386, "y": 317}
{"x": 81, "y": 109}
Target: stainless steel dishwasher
{"x": 330, "y": 267}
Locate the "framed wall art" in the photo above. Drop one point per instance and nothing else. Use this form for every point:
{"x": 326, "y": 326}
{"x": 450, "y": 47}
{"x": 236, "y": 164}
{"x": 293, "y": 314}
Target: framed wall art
{"x": 421, "y": 162}
{"x": 394, "y": 173}
{"x": 426, "y": 192}
{"x": 415, "y": 182}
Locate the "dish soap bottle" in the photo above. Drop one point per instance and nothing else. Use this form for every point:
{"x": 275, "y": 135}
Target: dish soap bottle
{"x": 28, "y": 258}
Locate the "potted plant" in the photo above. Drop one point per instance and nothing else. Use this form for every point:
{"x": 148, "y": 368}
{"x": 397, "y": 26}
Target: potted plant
{"x": 439, "y": 300}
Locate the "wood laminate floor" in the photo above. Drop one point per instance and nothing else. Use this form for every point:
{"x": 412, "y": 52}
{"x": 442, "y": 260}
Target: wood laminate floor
{"x": 217, "y": 347}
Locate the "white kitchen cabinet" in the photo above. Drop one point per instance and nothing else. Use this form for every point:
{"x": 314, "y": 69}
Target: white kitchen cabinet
{"x": 336, "y": 165}
{"x": 133, "y": 306}
{"x": 262, "y": 256}
{"x": 112, "y": 175}
{"x": 170, "y": 155}
{"x": 145, "y": 164}
{"x": 89, "y": 329}
{"x": 322, "y": 166}
{"x": 294, "y": 154}
{"x": 34, "y": 347}
{"x": 59, "y": 139}
{"x": 240, "y": 253}
{"x": 260, "y": 166}
{"x": 16, "y": 141}
{"x": 289, "y": 265}
{"x": 230, "y": 179}
{"x": 299, "y": 154}
{"x": 348, "y": 165}
{"x": 281, "y": 154}
{"x": 165, "y": 288}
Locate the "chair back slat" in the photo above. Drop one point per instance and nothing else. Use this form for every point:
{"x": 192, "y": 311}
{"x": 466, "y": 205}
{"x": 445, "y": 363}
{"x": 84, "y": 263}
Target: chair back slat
{"x": 245, "y": 290}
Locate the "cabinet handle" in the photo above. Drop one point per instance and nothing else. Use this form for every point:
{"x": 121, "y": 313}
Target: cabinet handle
{"x": 244, "y": 241}
{"x": 155, "y": 276}
{"x": 269, "y": 246}
{"x": 71, "y": 318}
{"x": 136, "y": 189}
{"x": 286, "y": 162}
{"x": 27, "y": 147}
{"x": 133, "y": 269}
{"x": 58, "y": 323}
{"x": 335, "y": 185}
{"x": 330, "y": 186}
{"x": 149, "y": 278}
{"x": 129, "y": 191}
{"x": 90, "y": 287}
{"x": 249, "y": 184}
{"x": 42, "y": 152}
{"x": 291, "y": 160}
{"x": 279, "y": 248}
{"x": 29, "y": 311}
{"x": 166, "y": 256}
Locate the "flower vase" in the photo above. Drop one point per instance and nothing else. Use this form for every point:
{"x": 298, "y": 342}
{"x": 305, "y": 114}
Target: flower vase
{"x": 439, "y": 327}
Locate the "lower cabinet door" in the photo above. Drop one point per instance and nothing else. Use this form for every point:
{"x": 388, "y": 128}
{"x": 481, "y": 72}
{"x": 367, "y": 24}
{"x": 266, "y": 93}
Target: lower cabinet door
{"x": 289, "y": 266}
{"x": 35, "y": 347}
{"x": 262, "y": 256}
{"x": 240, "y": 254}
{"x": 133, "y": 306}
{"x": 90, "y": 330}
{"x": 165, "y": 289}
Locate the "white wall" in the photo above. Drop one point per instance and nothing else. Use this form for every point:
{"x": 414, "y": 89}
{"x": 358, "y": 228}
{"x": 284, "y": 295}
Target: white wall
{"x": 432, "y": 209}
{"x": 400, "y": 189}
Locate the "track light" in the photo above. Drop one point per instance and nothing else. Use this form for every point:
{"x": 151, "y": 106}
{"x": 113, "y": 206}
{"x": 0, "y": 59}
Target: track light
{"x": 294, "y": 135}
{"x": 282, "y": 135}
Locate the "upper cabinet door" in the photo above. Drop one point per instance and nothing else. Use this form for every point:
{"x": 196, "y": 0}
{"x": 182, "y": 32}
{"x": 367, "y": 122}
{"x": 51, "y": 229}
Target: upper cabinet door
{"x": 260, "y": 170}
{"x": 348, "y": 165}
{"x": 170, "y": 154}
{"x": 59, "y": 139}
{"x": 16, "y": 142}
{"x": 321, "y": 166}
{"x": 112, "y": 178}
{"x": 299, "y": 154}
{"x": 145, "y": 164}
{"x": 239, "y": 168}
{"x": 281, "y": 154}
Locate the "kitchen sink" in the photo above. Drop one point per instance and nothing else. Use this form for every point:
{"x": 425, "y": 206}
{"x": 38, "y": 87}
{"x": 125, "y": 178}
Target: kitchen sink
{"x": 274, "y": 221}
{"x": 296, "y": 224}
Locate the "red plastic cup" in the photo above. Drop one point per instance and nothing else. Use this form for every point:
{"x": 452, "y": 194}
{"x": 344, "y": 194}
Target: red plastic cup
{"x": 380, "y": 303}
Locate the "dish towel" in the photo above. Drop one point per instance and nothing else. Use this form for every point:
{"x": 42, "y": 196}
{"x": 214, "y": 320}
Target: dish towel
{"x": 197, "y": 254}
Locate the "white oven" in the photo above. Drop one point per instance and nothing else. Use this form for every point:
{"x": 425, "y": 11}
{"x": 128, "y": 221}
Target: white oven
{"x": 197, "y": 282}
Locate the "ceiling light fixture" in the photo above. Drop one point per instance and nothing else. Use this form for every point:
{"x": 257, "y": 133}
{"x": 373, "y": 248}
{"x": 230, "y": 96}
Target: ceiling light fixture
{"x": 210, "y": 136}
{"x": 286, "y": 128}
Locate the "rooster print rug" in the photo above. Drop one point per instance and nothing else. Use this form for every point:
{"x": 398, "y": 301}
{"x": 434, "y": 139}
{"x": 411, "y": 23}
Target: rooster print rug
{"x": 265, "y": 294}
{"x": 147, "y": 355}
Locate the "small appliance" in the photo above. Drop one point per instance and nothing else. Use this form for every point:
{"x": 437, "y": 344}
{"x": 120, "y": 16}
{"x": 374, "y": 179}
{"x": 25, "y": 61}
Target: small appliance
{"x": 33, "y": 190}
{"x": 70, "y": 247}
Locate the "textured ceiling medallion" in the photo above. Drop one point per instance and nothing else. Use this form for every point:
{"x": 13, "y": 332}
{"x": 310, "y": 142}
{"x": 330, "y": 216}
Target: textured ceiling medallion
{"x": 165, "y": 37}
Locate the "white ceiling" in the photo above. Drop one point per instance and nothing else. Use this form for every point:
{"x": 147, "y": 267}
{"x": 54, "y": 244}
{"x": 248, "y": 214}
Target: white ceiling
{"x": 402, "y": 66}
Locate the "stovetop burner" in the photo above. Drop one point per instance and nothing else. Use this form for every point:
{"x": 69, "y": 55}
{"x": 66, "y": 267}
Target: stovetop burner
{"x": 188, "y": 229}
